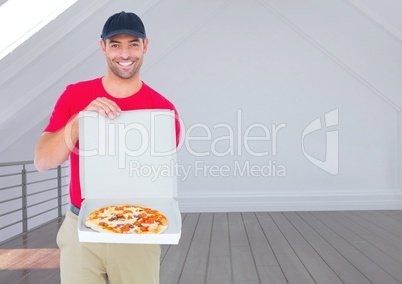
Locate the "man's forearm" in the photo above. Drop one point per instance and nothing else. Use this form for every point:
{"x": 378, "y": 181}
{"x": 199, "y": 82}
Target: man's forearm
{"x": 53, "y": 148}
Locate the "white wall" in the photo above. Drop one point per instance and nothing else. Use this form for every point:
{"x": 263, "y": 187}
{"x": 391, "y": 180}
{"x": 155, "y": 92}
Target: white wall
{"x": 233, "y": 65}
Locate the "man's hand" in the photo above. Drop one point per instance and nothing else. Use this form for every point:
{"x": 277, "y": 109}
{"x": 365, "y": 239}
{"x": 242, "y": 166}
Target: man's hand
{"x": 105, "y": 107}
{"x": 53, "y": 148}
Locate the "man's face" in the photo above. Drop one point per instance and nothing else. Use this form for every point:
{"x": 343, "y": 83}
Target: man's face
{"x": 124, "y": 54}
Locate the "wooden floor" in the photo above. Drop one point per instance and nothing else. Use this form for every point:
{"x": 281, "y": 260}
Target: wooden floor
{"x": 219, "y": 248}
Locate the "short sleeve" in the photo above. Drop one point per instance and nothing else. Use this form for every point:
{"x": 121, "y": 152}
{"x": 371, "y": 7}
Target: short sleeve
{"x": 62, "y": 112}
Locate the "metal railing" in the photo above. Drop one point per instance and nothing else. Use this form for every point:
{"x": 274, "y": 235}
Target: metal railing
{"x": 28, "y": 198}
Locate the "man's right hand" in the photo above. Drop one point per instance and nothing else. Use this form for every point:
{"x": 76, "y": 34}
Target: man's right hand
{"x": 105, "y": 107}
{"x": 53, "y": 148}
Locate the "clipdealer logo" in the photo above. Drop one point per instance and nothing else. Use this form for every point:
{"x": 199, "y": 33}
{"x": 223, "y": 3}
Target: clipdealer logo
{"x": 235, "y": 142}
{"x": 331, "y": 162}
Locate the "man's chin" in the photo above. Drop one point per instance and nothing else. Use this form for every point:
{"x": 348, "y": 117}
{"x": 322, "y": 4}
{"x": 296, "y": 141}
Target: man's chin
{"x": 124, "y": 76}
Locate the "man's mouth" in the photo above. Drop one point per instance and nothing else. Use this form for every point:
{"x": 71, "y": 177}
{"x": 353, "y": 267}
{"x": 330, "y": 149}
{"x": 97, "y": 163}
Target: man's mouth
{"x": 125, "y": 64}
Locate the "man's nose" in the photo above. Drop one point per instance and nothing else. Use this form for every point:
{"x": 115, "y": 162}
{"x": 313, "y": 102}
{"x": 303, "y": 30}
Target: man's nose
{"x": 125, "y": 53}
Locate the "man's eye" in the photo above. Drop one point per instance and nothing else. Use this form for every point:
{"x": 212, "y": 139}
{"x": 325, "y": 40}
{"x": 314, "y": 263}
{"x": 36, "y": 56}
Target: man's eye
{"x": 114, "y": 45}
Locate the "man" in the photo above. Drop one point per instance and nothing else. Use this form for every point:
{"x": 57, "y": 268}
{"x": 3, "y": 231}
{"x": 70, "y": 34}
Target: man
{"x": 124, "y": 43}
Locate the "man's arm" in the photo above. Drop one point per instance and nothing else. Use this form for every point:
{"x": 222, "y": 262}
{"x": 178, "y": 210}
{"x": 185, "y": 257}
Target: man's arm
{"x": 53, "y": 148}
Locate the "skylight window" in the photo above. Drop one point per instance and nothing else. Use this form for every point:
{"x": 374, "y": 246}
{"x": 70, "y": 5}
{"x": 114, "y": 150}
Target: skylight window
{"x": 20, "y": 19}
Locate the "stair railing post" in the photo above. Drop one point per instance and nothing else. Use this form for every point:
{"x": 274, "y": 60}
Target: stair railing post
{"x": 59, "y": 193}
{"x": 24, "y": 199}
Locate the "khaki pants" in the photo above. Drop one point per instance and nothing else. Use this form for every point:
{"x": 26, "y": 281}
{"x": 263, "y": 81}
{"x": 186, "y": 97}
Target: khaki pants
{"x": 93, "y": 263}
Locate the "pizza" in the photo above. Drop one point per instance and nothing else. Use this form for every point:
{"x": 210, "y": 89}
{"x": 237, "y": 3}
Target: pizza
{"x": 127, "y": 219}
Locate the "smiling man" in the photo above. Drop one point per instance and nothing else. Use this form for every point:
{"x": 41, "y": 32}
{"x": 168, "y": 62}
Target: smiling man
{"x": 124, "y": 44}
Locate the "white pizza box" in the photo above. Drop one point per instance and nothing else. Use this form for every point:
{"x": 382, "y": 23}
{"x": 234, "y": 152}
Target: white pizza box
{"x": 129, "y": 160}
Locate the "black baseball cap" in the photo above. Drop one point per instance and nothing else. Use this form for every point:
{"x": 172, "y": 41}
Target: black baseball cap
{"x": 123, "y": 23}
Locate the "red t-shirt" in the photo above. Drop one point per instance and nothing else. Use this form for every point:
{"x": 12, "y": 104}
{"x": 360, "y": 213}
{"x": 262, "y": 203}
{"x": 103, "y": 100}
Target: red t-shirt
{"x": 78, "y": 96}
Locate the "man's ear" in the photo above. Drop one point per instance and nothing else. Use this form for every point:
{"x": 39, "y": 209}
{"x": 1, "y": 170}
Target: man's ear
{"x": 103, "y": 46}
{"x": 145, "y": 45}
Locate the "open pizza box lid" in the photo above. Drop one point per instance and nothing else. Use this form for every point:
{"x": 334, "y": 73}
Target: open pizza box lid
{"x": 129, "y": 160}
